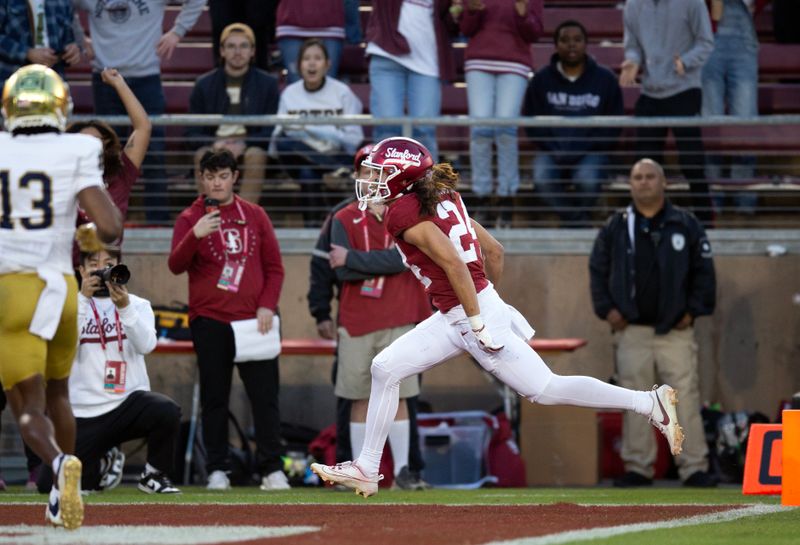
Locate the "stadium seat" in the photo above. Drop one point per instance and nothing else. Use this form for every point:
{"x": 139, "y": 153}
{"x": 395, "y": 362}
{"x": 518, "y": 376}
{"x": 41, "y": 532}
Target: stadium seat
{"x": 201, "y": 29}
{"x": 176, "y": 94}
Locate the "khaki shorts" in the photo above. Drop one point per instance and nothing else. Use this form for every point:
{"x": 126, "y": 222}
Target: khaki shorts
{"x": 23, "y": 354}
{"x": 353, "y": 377}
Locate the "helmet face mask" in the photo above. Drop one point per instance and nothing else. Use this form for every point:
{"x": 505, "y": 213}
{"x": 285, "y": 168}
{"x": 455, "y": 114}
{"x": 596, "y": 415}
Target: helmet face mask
{"x": 375, "y": 188}
{"x": 36, "y": 96}
{"x": 395, "y": 164}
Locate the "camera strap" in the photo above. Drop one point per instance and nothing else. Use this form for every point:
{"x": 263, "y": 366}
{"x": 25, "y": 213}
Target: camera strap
{"x": 102, "y": 333}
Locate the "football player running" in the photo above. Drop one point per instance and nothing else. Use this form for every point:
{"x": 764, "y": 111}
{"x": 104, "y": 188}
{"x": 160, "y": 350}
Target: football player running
{"x": 44, "y": 174}
{"x": 457, "y": 260}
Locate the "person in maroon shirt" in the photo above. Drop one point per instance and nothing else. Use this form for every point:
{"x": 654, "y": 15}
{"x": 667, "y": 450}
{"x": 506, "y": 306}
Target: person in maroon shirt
{"x": 445, "y": 250}
{"x": 121, "y": 166}
{"x": 231, "y": 254}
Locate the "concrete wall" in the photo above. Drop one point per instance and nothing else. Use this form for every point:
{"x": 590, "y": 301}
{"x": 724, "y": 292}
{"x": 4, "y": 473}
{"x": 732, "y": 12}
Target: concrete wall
{"x": 749, "y": 350}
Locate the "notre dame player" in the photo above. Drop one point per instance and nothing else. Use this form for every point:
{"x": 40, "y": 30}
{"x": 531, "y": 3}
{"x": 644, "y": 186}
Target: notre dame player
{"x": 44, "y": 174}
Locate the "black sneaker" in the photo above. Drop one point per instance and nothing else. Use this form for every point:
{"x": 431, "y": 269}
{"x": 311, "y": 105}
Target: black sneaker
{"x": 409, "y": 480}
{"x": 631, "y": 479}
{"x": 701, "y": 479}
{"x": 157, "y": 483}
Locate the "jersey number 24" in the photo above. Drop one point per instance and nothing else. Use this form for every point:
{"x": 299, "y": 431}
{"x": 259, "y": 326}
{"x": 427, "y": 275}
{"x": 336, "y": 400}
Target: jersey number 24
{"x": 447, "y": 209}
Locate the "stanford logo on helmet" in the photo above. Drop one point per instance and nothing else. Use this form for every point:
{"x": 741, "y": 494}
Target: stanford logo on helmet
{"x": 404, "y": 155}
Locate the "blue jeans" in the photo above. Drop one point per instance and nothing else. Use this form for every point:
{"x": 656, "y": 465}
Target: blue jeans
{"x": 149, "y": 92}
{"x": 730, "y": 78}
{"x": 290, "y": 53}
{"x": 391, "y": 85}
{"x": 553, "y": 179}
{"x": 352, "y": 22}
{"x": 307, "y": 166}
{"x": 494, "y": 95}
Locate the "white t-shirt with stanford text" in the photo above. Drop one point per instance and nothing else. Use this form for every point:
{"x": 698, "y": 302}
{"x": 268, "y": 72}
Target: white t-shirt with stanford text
{"x": 87, "y": 393}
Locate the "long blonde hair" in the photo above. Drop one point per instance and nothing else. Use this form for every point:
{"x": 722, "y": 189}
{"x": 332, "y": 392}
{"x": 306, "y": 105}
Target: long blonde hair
{"x": 441, "y": 178}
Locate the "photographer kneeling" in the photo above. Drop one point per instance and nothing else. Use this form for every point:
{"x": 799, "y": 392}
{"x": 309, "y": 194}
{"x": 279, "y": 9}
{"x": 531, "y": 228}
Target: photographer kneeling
{"x": 109, "y": 388}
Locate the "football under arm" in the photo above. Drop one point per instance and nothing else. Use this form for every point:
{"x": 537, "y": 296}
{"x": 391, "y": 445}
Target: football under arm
{"x": 435, "y": 244}
{"x": 493, "y": 253}
{"x": 102, "y": 211}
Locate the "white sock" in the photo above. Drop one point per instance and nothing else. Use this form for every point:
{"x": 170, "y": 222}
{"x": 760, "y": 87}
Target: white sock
{"x": 583, "y": 391}
{"x": 643, "y": 403}
{"x": 148, "y": 469}
{"x": 357, "y": 432}
{"x": 399, "y": 433}
{"x": 56, "y": 465}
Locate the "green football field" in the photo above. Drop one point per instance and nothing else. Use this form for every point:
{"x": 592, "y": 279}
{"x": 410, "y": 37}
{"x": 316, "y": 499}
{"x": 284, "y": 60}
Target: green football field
{"x": 765, "y": 521}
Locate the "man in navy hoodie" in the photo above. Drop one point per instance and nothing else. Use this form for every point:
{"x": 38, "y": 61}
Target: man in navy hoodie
{"x": 235, "y": 88}
{"x": 573, "y": 84}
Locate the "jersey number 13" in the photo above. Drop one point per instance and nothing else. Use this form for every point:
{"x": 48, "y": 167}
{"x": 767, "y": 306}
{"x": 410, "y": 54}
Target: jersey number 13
{"x": 44, "y": 203}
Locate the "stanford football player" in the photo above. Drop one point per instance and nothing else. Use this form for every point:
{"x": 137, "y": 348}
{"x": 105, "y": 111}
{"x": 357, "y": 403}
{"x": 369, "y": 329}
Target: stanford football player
{"x": 457, "y": 260}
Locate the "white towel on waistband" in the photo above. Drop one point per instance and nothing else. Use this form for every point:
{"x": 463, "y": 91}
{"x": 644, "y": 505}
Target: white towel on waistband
{"x": 51, "y": 303}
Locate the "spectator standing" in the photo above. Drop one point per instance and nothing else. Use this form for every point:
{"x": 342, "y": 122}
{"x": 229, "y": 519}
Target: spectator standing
{"x": 235, "y": 273}
{"x": 498, "y": 63}
{"x": 652, "y": 275}
{"x": 259, "y": 15}
{"x": 352, "y": 22}
{"x": 109, "y": 388}
{"x": 572, "y": 85}
{"x": 236, "y": 88}
{"x": 408, "y": 42}
{"x": 121, "y": 166}
{"x": 36, "y": 33}
{"x": 299, "y": 20}
{"x": 730, "y": 78}
{"x": 670, "y": 40}
{"x": 127, "y": 36}
{"x": 313, "y": 150}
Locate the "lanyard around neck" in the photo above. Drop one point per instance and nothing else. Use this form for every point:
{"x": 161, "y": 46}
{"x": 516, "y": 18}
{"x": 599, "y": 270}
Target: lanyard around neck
{"x": 100, "y": 330}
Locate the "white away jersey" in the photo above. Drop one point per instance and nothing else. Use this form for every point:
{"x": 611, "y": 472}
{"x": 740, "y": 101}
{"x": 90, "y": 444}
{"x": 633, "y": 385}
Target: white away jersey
{"x": 40, "y": 178}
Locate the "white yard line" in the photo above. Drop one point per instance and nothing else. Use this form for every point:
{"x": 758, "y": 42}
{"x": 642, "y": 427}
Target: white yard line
{"x": 600, "y": 533}
{"x": 23, "y": 534}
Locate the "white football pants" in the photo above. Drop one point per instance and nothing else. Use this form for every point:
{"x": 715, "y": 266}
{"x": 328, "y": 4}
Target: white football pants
{"x": 443, "y": 336}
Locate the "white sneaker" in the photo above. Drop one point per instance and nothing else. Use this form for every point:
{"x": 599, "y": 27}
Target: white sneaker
{"x": 113, "y": 466}
{"x": 65, "y": 507}
{"x": 218, "y": 481}
{"x": 275, "y": 481}
{"x": 665, "y": 418}
{"x": 348, "y": 474}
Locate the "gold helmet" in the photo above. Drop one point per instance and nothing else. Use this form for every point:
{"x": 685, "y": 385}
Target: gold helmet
{"x": 35, "y": 96}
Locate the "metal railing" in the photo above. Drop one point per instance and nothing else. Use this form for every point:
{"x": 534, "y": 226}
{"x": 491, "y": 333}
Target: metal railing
{"x": 750, "y": 170}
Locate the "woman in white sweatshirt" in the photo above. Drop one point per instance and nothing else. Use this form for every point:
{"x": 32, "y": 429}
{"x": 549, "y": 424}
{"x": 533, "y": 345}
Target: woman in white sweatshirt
{"x": 310, "y": 151}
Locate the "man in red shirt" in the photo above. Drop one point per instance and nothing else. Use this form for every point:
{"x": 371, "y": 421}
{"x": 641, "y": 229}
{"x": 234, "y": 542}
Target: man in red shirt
{"x": 229, "y": 248}
{"x": 445, "y": 250}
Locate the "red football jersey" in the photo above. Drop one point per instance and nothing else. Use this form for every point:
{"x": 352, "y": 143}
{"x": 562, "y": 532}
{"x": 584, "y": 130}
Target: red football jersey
{"x": 452, "y": 218}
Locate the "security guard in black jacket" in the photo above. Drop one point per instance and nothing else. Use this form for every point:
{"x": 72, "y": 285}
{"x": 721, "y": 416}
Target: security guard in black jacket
{"x": 652, "y": 274}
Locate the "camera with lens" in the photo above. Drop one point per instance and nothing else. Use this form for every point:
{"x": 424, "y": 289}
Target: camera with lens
{"x": 114, "y": 274}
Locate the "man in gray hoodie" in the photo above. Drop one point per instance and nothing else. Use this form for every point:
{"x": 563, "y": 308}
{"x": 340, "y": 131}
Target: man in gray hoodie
{"x": 128, "y": 36}
{"x": 670, "y": 41}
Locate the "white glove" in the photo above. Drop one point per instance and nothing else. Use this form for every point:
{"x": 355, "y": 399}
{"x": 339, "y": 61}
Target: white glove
{"x": 482, "y": 334}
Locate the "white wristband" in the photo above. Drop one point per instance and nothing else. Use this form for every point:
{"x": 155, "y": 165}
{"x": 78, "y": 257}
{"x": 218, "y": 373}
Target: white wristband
{"x": 475, "y": 322}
